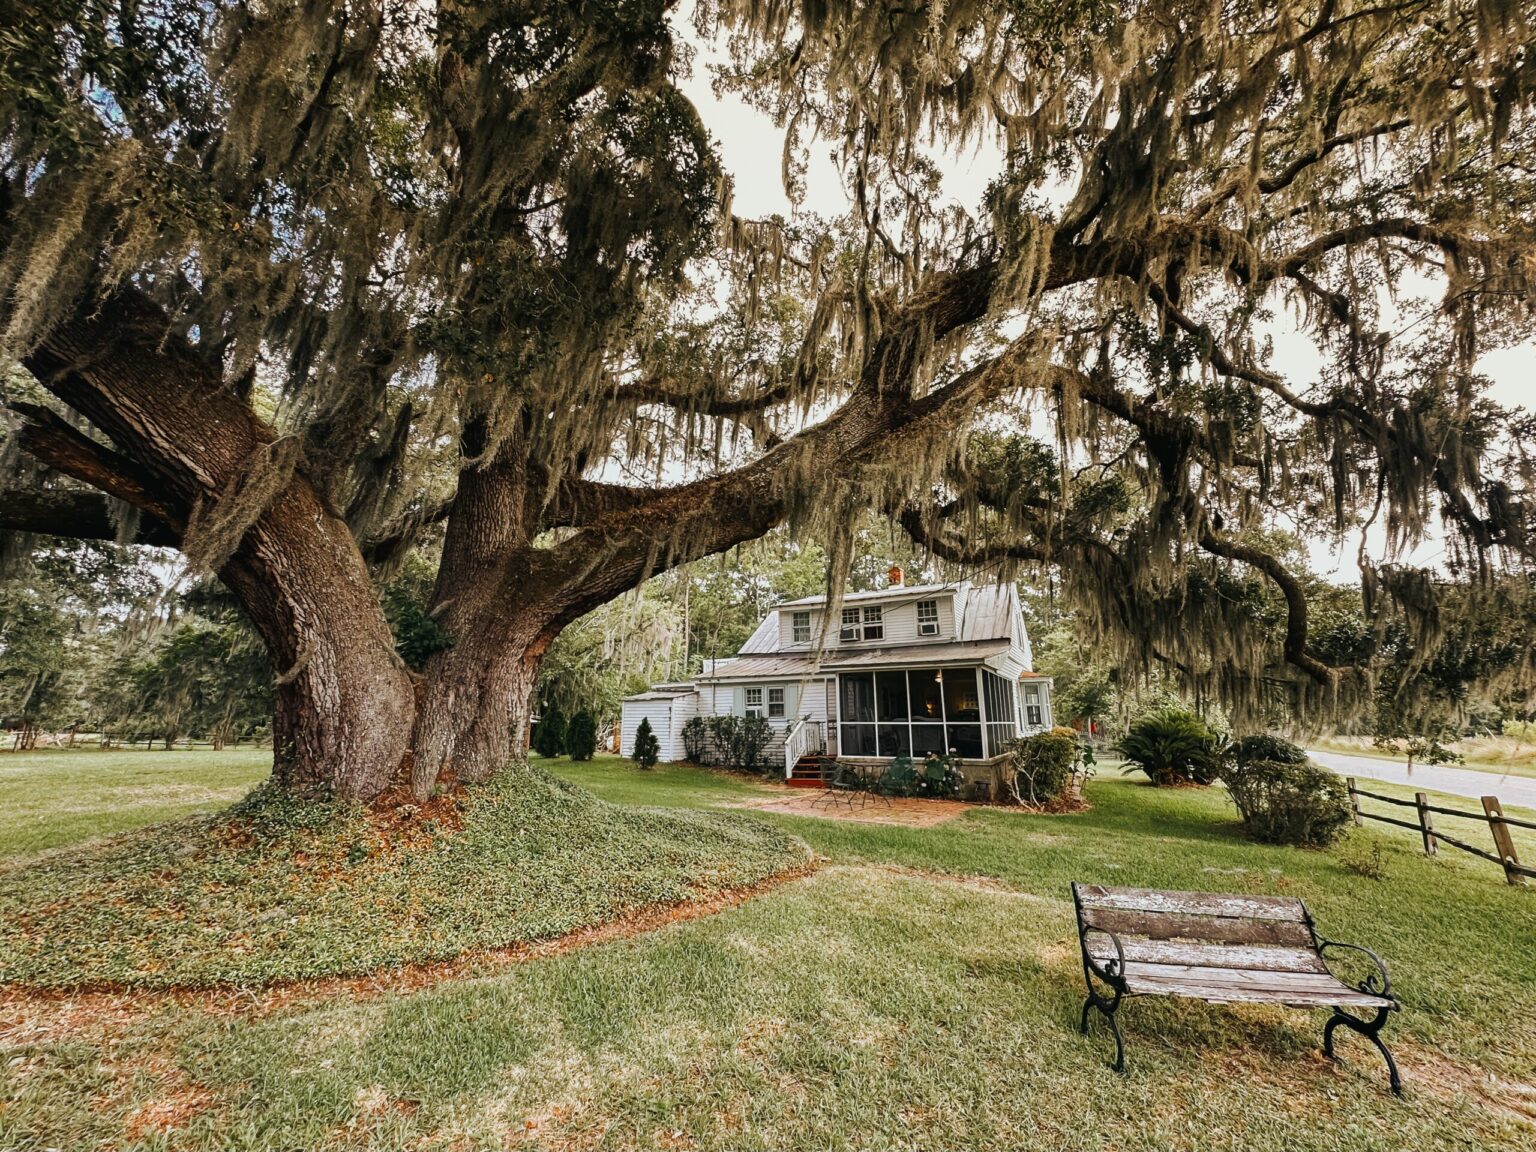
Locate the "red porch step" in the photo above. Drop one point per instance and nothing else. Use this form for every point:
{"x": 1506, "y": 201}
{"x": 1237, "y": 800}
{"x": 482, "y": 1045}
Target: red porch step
{"x": 811, "y": 772}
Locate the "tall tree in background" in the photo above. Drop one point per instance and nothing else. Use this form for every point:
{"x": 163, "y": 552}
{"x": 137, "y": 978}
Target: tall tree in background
{"x": 300, "y": 278}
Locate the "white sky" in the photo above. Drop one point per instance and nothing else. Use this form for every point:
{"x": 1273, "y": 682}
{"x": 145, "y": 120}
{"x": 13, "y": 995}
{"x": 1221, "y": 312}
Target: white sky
{"x": 751, "y": 149}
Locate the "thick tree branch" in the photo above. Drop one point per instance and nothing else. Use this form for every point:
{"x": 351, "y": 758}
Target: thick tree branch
{"x": 657, "y": 389}
{"x": 49, "y": 439}
{"x": 76, "y": 513}
{"x": 1296, "y": 624}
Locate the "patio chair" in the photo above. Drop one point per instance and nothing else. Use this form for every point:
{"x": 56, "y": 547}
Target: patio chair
{"x": 843, "y": 785}
{"x": 899, "y": 779}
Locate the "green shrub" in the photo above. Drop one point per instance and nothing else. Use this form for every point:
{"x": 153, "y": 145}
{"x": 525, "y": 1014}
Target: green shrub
{"x": 1262, "y": 746}
{"x": 940, "y": 776}
{"x": 647, "y": 747}
{"x": 1172, "y": 746}
{"x": 1041, "y": 766}
{"x": 581, "y": 736}
{"x": 549, "y": 734}
{"x": 1298, "y": 804}
{"x": 739, "y": 741}
{"x": 696, "y": 742}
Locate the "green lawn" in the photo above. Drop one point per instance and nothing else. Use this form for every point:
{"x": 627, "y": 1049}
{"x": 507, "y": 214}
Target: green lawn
{"x": 52, "y": 798}
{"x": 920, "y": 991}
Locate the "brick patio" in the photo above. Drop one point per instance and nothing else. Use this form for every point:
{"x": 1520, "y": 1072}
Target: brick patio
{"x": 909, "y": 812}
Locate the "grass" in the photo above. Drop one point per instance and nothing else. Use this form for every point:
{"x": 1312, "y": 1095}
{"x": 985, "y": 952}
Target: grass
{"x": 920, "y": 991}
{"x": 268, "y": 891}
{"x": 52, "y": 798}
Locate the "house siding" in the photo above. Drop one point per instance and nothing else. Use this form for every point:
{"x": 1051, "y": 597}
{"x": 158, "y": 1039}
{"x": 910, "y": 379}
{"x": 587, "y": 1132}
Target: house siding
{"x": 663, "y": 717}
{"x": 899, "y": 619}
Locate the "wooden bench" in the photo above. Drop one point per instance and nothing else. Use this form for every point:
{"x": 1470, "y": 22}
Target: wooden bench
{"x": 1222, "y": 949}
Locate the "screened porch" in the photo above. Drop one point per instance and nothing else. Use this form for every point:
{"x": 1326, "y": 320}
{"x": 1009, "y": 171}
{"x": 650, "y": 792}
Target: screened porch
{"x": 971, "y": 711}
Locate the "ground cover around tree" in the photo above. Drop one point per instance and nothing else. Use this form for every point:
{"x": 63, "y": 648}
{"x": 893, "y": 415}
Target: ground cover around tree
{"x": 919, "y": 990}
{"x": 270, "y": 890}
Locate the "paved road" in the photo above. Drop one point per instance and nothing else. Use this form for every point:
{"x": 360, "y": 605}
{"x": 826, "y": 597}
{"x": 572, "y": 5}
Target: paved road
{"x": 1510, "y": 789}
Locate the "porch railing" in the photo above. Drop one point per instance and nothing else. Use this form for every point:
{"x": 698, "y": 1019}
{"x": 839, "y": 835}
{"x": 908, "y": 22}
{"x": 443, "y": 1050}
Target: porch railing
{"x": 804, "y": 738}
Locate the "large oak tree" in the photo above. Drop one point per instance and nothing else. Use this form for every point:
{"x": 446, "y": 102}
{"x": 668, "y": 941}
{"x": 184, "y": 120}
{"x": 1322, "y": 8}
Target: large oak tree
{"x": 303, "y": 280}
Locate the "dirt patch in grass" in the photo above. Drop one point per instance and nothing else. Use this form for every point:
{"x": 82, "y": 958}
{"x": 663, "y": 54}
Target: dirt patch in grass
{"x": 271, "y": 893}
{"x": 166, "y": 1113}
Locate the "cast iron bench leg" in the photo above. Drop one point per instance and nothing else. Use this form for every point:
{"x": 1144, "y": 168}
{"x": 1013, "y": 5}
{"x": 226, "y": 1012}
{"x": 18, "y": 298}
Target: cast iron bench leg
{"x": 1095, "y": 1001}
{"x": 1370, "y": 1029}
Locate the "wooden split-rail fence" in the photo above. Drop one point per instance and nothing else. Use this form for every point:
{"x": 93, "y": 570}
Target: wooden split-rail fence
{"x": 1504, "y": 853}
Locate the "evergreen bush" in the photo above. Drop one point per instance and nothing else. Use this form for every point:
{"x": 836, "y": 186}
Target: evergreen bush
{"x": 581, "y": 736}
{"x": 647, "y": 747}
{"x": 697, "y": 745}
{"x": 549, "y": 733}
{"x": 739, "y": 741}
{"x": 1041, "y": 766}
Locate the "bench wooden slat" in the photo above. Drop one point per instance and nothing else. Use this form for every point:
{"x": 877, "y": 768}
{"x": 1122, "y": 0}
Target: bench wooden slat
{"x": 1227, "y": 985}
{"x": 1194, "y": 903}
{"x": 1185, "y": 926}
{"x": 1250, "y": 956}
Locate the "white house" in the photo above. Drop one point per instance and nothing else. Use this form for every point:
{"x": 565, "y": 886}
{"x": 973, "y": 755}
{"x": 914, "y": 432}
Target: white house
{"x": 905, "y": 671}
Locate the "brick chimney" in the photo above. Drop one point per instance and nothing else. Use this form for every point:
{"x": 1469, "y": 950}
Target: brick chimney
{"x": 896, "y": 575}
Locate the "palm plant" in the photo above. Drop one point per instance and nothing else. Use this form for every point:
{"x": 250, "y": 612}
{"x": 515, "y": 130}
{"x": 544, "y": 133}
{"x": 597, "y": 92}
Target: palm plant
{"x": 1172, "y": 746}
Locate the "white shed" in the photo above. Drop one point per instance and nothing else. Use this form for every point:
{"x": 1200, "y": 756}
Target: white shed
{"x": 668, "y": 707}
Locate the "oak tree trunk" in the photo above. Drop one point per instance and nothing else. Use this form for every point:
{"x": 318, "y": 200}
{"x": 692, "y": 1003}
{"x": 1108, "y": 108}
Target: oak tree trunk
{"x": 182, "y": 440}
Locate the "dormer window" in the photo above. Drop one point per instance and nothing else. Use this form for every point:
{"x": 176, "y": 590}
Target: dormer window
{"x": 874, "y": 623}
{"x": 927, "y": 617}
{"x": 850, "y": 629}
{"x": 800, "y": 627}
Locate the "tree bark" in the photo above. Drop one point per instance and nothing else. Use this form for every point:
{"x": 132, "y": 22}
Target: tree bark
{"x": 344, "y": 701}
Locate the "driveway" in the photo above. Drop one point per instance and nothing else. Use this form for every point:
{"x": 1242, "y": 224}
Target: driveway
{"x": 1509, "y": 789}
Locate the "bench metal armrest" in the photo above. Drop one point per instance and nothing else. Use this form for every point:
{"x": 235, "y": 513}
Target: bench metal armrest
{"x": 1113, "y": 972}
{"x": 1377, "y": 983}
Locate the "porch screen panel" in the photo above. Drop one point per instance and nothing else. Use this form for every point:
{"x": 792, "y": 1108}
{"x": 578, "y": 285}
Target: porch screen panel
{"x": 926, "y": 695}
{"x": 1002, "y": 723}
{"x": 924, "y": 710}
{"x": 857, "y": 713}
{"x": 891, "y": 709}
{"x": 962, "y": 702}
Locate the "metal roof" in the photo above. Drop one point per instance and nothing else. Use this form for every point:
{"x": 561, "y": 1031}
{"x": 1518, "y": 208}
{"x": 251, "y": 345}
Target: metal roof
{"x": 799, "y": 665}
{"x": 895, "y": 592}
{"x": 988, "y": 612}
{"x": 766, "y": 638}
{"x": 663, "y": 692}
{"x": 956, "y": 652}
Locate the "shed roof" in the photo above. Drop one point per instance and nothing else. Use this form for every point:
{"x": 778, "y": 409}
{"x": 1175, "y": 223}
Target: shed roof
{"x": 662, "y": 692}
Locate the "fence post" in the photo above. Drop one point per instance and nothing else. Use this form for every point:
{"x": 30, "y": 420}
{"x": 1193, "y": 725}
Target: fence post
{"x": 1502, "y": 840}
{"x": 1354, "y": 801}
{"x": 1421, "y": 802}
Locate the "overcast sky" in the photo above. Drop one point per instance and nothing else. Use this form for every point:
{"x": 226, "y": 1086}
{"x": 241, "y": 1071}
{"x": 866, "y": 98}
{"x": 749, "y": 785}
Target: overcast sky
{"x": 751, "y": 148}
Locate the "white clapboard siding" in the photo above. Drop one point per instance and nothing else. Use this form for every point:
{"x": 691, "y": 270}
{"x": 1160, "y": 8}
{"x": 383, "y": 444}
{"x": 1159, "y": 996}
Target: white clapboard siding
{"x": 684, "y": 709}
{"x": 899, "y": 618}
{"x": 667, "y": 715}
